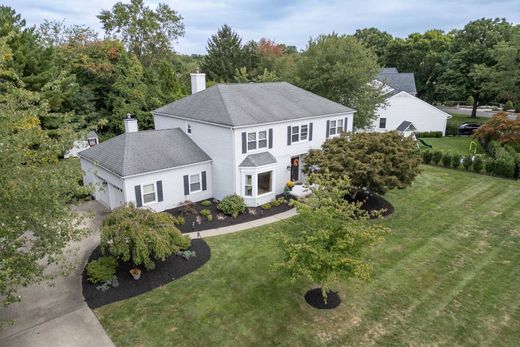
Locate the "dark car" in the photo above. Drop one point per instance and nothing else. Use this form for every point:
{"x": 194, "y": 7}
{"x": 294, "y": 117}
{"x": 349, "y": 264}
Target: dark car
{"x": 468, "y": 128}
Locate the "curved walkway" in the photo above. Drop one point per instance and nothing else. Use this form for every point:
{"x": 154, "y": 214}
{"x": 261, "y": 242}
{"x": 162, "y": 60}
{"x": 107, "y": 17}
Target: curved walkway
{"x": 238, "y": 227}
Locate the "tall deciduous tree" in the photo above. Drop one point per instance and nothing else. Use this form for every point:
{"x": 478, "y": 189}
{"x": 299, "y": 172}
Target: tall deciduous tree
{"x": 374, "y": 161}
{"x": 225, "y": 55}
{"x": 36, "y": 188}
{"x": 471, "y": 59}
{"x": 145, "y": 31}
{"x": 327, "y": 239}
{"x": 376, "y": 40}
{"x": 341, "y": 69}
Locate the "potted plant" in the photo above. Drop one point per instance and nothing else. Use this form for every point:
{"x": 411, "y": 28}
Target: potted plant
{"x": 290, "y": 185}
{"x": 136, "y": 273}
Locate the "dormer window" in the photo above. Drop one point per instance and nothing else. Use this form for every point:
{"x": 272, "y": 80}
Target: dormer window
{"x": 92, "y": 142}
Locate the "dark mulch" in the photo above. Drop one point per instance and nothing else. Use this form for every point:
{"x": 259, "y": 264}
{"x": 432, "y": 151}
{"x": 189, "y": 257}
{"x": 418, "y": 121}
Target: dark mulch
{"x": 372, "y": 202}
{"x": 191, "y": 224}
{"x": 315, "y": 299}
{"x": 165, "y": 271}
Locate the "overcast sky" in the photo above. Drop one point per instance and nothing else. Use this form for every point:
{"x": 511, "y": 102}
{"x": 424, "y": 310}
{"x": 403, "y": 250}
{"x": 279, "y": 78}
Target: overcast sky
{"x": 287, "y": 21}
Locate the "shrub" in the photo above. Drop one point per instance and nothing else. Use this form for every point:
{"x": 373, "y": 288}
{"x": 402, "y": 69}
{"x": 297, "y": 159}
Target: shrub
{"x": 428, "y": 134}
{"x": 467, "y": 161}
{"x": 470, "y": 101}
{"x": 509, "y": 106}
{"x": 187, "y": 254}
{"x": 489, "y": 166}
{"x": 436, "y": 157}
{"x": 232, "y": 205}
{"x": 206, "y": 203}
{"x": 180, "y": 220}
{"x": 446, "y": 159}
{"x": 478, "y": 164}
{"x": 455, "y": 160}
{"x": 277, "y": 202}
{"x": 427, "y": 156}
{"x": 101, "y": 270}
{"x": 141, "y": 236}
{"x": 266, "y": 206}
{"x": 452, "y": 129}
{"x": 206, "y": 214}
{"x": 187, "y": 207}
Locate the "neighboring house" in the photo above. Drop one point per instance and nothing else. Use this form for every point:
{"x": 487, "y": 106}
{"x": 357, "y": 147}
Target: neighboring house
{"x": 247, "y": 139}
{"x": 81, "y": 145}
{"x": 403, "y": 110}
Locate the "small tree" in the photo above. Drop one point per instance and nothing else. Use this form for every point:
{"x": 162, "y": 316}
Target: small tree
{"x": 326, "y": 241}
{"x": 509, "y": 106}
{"x": 470, "y": 101}
{"x": 499, "y": 128}
{"x": 141, "y": 236}
{"x": 375, "y": 161}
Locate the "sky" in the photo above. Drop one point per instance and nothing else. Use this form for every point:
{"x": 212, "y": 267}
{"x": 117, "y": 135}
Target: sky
{"x": 291, "y": 22}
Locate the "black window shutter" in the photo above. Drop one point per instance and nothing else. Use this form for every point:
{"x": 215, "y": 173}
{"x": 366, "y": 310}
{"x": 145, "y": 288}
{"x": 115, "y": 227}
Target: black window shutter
{"x": 328, "y": 128}
{"x": 345, "y": 124}
{"x": 138, "y": 199}
{"x": 289, "y": 135}
{"x": 186, "y": 185}
{"x": 159, "y": 191}
{"x": 310, "y": 131}
{"x": 270, "y": 137}
{"x": 204, "y": 185}
{"x": 244, "y": 142}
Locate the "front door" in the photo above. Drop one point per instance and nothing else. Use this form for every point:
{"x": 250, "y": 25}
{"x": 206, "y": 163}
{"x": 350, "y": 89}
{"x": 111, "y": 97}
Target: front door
{"x": 295, "y": 168}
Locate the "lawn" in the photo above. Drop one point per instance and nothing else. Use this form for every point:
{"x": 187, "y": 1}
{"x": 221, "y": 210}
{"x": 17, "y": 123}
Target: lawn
{"x": 452, "y": 144}
{"x": 448, "y": 274}
{"x": 457, "y": 119}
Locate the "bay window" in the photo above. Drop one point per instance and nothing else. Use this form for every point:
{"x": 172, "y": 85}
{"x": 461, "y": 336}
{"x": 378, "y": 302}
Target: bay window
{"x": 248, "y": 185}
{"x": 265, "y": 182}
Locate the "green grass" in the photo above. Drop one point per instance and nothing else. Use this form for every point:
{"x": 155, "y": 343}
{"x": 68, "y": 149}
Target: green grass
{"x": 457, "y": 119}
{"x": 448, "y": 274}
{"x": 452, "y": 144}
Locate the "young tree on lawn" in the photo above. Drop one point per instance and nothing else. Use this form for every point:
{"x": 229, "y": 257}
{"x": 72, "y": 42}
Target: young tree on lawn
{"x": 374, "y": 161}
{"x": 225, "y": 55}
{"x": 340, "y": 68}
{"x": 37, "y": 189}
{"x": 327, "y": 239}
{"x": 146, "y": 32}
{"x": 142, "y": 236}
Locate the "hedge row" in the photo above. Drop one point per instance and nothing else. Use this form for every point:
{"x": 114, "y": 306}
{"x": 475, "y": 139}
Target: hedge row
{"x": 506, "y": 160}
{"x": 429, "y": 134}
{"x": 468, "y": 162}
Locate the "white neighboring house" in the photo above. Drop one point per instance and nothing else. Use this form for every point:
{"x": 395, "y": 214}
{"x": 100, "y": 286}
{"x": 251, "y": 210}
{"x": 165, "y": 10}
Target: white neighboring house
{"x": 247, "y": 139}
{"x": 403, "y": 110}
{"x": 81, "y": 145}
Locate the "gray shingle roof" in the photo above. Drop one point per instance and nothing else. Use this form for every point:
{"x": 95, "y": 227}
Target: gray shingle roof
{"x": 252, "y": 103}
{"x": 258, "y": 159}
{"x": 401, "y": 82}
{"x": 145, "y": 151}
{"x": 405, "y": 125}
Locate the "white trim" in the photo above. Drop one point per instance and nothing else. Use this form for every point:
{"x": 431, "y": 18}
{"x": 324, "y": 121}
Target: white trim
{"x": 154, "y": 184}
{"x": 300, "y": 133}
{"x": 257, "y": 141}
{"x": 200, "y": 182}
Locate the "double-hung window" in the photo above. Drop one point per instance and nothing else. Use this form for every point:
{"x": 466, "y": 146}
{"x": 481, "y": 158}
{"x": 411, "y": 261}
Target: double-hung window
{"x": 382, "y": 123}
{"x": 295, "y": 131}
{"x": 304, "y": 132}
{"x": 248, "y": 185}
{"x": 148, "y": 193}
{"x": 335, "y": 127}
{"x": 195, "y": 185}
{"x": 256, "y": 140}
{"x": 299, "y": 133}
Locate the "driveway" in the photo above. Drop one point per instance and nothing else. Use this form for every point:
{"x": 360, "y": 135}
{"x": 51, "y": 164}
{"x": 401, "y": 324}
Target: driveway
{"x": 57, "y": 315}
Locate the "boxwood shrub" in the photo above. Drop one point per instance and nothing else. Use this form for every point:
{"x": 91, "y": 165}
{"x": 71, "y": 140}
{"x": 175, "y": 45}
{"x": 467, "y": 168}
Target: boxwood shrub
{"x": 478, "y": 164}
{"x": 446, "y": 159}
{"x": 232, "y": 205}
{"x": 428, "y": 134}
{"x": 455, "y": 160}
{"x": 467, "y": 161}
{"x": 436, "y": 157}
{"x": 427, "y": 156}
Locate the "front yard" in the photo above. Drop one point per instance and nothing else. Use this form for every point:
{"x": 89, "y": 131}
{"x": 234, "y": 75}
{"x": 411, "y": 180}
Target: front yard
{"x": 452, "y": 144}
{"x": 448, "y": 274}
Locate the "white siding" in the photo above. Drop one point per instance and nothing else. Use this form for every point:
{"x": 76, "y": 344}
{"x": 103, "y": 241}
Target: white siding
{"x": 216, "y": 141}
{"x": 405, "y": 107}
{"x": 172, "y": 186}
{"x": 111, "y": 195}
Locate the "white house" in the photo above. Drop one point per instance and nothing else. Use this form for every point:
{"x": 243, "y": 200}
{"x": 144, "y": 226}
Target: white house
{"x": 247, "y": 139}
{"x": 403, "y": 110}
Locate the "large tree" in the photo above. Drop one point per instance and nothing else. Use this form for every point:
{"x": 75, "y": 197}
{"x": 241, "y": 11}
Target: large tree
{"x": 328, "y": 238}
{"x": 376, "y": 40}
{"x": 146, "y": 32}
{"x": 225, "y": 55}
{"x": 374, "y": 161}
{"x": 36, "y": 188}
{"x": 340, "y": 68}
{"x": 470, "y": 59}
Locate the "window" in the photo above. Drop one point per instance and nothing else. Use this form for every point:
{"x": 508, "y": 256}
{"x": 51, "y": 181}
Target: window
{"x": 265, "y": 182}
{"x": 188, "y": 128}
{"x": 295, "y": 131}
{"x": 195, "y": 183}
{"x": 148, "y": 193}
{"x": 382, "y": 123}
{"x": 304, "y": 132}
{"x": 299, "y": 133}
{"x": 256, "y": 140}
{"x": 92, "y": 142}
{"x": 249, "y": 185}
{"x": 335, "y": 127}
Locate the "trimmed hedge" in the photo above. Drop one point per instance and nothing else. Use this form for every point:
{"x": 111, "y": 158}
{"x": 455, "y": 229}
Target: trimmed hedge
{"x": 436, "y": 157}
{"x": 429, "y": 134}
{"x": 455, "y": 160}
{"x": 427, "y": 156}
{"x": 446, "y": 159}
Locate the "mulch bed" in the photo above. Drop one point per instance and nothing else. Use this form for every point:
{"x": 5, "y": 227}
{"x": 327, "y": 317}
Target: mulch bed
{"x": 166, "y": 271}
{"x": 314, "y": 298}
{"x": 191, "y": 224}
{"x": 372, "y": 202}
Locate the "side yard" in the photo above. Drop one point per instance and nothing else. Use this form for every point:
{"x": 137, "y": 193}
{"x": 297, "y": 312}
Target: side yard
{"x": 448, "y": 274}
{"x": 452, "y": 144}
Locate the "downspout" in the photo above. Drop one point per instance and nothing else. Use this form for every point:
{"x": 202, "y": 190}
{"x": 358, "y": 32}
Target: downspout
{"x": 234, "y": 161}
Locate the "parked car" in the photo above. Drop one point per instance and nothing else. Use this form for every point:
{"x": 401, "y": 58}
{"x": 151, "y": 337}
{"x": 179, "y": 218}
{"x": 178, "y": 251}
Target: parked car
{"x": 468, "y": 128}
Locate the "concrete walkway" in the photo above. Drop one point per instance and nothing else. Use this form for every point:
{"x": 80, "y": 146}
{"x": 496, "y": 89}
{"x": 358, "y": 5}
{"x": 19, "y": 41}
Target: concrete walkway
{"x": 238, "y": 227}
{"x": 58, "y": 315}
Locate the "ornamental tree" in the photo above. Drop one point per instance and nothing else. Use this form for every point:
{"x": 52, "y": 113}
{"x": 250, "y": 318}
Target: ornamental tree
{"x": 326, "y": 241}
{"x": 499, "y": 128}
{"x": 141, "y": 235}
{"x": 374, "y": 161}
